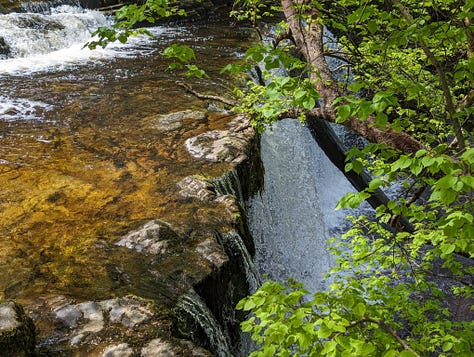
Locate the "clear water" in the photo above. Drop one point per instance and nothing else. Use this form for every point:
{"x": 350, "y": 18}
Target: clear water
{"x": 81, "y": 163}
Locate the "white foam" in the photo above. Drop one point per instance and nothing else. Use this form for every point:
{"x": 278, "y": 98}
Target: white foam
{"x": 56, "y": 41}
{"x": 22, "y": 109}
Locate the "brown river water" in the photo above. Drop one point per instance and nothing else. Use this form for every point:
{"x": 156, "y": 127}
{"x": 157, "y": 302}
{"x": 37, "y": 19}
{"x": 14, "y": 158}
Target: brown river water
{"x": 90, "y": 166}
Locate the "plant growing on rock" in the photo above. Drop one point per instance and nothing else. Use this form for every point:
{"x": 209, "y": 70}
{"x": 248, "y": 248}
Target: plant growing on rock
{"x": 404, "y": 82}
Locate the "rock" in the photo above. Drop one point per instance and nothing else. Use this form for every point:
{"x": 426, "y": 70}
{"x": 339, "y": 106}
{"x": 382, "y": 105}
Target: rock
{"x": 68, "y": 315}
{"x": 121, "y": 350}
{"x": 4, "y": 49}
{"x": 127, "y": 311}
{"x": 104, "y": 326}
{"x": 222, "y": 145}
{"x": 196, "y": 187}
{"x": 212, "y": 252}
{"x": 152, "y": 238}
{"x": 17, "y": 331}
{"x": 174, "y": 121}
{"x": 158, "y": 347}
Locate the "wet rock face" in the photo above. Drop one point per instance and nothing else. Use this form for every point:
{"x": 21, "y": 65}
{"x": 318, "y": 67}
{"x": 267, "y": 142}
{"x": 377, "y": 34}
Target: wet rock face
{"x": 17, "y": 332}
{"x": 127, "y": 326}
{"x": 119, "y": 327}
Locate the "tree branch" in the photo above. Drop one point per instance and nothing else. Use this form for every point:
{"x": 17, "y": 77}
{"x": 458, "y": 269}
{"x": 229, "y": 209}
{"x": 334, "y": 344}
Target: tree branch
{"x": 189, "y": 89}
{"x": 307, "y": 33}
{"x": 387, "y": 329}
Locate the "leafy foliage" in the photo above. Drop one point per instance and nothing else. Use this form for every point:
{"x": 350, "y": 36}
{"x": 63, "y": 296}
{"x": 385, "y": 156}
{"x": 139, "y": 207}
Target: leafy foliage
{"x": 129, "y": 17}
{"x": 411, "y": 70}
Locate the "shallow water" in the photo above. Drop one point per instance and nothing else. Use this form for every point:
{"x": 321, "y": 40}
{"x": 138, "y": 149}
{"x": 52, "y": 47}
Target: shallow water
{"x": 81, "y": 162}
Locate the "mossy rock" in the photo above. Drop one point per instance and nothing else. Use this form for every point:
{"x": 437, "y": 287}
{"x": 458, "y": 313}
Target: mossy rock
{"x": 17, "y": 331}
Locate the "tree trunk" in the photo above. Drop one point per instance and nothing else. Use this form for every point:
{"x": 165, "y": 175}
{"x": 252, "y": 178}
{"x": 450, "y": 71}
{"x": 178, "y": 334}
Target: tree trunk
{"x": 308, "y": 37}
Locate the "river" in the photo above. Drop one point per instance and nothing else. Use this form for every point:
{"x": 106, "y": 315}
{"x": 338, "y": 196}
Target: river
{"x": 80, "y": 161}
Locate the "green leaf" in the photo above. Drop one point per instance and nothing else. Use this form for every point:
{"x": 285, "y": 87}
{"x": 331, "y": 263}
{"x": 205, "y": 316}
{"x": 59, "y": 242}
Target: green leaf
{"x": 372, "y": 26}
{"x": 343, "y": 113}
{"x": 447, "y": 346}
{"x": 402, "y": 163}
{"x": 359, "y": 310}
{"x": 381, "y": 119}
{"x": 324, "y": 331}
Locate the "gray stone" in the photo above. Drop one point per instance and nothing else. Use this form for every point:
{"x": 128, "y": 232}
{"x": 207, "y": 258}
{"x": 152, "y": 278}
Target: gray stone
{"x": 212, "y": 252}
{"x": 158, "y": 347}
{"x": 174, "y": 121}
{"x": 68, "y": 314}
{"x": 121, "y": 350}
{"x": 8, "y": 316}
{"x": 127, "y": 311}
{"x": 152, "y": 238}
{"x": 222, "y": 145}
{"x": 17, "y": 331}
{"x": 196, "y": 187}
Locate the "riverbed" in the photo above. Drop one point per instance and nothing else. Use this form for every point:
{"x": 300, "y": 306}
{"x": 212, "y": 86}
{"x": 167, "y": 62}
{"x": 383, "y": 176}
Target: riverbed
{"x": 82, "y": 162}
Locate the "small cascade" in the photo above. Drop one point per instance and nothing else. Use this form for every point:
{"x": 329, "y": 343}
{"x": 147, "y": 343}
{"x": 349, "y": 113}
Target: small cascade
{"x": 31, "y": 34}
{"x": 22, "y": 109}
{"x": 196, "y": 322}
{"x": 229, "y": 184}
{"x": 46, "y": 7}
{"x": 234, "y": 245}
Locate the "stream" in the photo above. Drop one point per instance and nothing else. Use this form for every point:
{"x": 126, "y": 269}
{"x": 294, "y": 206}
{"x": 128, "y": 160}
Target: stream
{"x": 81, "y": 162}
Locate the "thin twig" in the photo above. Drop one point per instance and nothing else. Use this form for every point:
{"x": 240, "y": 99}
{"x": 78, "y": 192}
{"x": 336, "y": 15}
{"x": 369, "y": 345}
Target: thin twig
{"x": 215, "y": 98}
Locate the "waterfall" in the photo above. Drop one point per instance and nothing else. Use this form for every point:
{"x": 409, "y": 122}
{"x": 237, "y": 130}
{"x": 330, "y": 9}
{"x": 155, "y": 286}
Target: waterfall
{"x": 293, "y": 216}
{"x": 229, "y": 184}
{"x": 195, "y": 318}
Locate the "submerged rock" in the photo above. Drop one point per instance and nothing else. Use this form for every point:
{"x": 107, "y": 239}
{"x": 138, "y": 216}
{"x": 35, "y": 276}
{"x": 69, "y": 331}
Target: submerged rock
{"x": 174, "y": 121}
{"x": 4, "y": 49}
{"x": 17, "y": 332}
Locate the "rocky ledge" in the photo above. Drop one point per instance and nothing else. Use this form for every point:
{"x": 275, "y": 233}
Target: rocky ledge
{"x": 172, "y": 281}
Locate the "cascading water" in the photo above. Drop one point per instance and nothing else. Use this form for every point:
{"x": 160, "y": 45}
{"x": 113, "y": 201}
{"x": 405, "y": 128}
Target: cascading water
{"x": 293, "y": 216}
{"x": 235, "y": 245}
{"x": 30, "y": 34}
{"x": 201, "y": 320}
